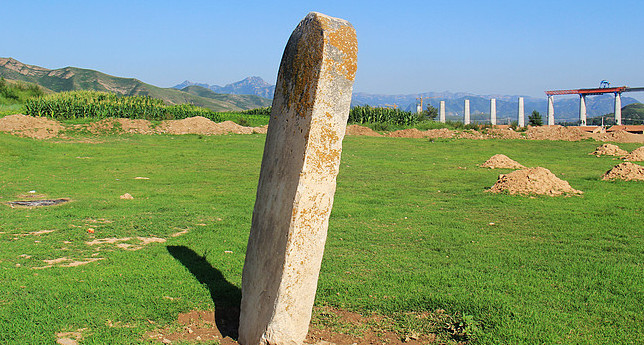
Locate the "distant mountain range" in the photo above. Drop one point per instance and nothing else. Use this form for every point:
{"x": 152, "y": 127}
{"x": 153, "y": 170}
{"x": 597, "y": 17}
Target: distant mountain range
{"x": 566, "y": 109}
{"x": 254, "y": 92}
{"x": 249, "y": 86}
{"x": 72, "y": 78}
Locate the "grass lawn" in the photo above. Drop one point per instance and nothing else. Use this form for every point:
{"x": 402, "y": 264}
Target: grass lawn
{"x": 412, "y": 231}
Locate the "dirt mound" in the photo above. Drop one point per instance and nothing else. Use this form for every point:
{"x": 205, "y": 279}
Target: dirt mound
{"x": 407, "y": 133}
{"x": 202, "y": 125}
{"x": 500, "y": 161}
{"x": 503, "y": 134}
{"x": 556, "y": 133}
{"x": 30, "y": 126}
{"x": 136, "y": 126}
{"x": 637, "y": 155}
{"x": 471, "y": 134}
{"x": 102, "y": 126}
{"x": 362, "y": 130}
{"x": 626, "y": 171}
{"x": 430, "y": 133}
{"x": 609, "y": 150}
{"x": 532, "y": 181}
{"x": 439, "y": 133}
{"x": 619, "y": 137}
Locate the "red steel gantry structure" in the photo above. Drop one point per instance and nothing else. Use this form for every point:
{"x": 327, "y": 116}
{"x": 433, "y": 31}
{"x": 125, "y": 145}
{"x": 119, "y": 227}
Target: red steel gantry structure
{"x": 582, "y": 100}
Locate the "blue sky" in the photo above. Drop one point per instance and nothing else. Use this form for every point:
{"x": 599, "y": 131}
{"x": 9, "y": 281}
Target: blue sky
{"x": 484, "y": 47}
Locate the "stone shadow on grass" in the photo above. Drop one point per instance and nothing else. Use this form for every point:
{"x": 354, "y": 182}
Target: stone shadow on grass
{"x": 226, "y": 296}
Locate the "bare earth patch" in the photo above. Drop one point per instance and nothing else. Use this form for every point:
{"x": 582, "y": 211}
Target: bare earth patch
{"x": 626, "y": 171}
{"x": 329, "y": 327}
{"x": 500, "y": 161}
{"x": 503, "y": 133}
{"x": 202, "y": 125}
{"x": 66, "y": 262}
{"x": 30, "y": 126}
{"x": 609, "y": 150}
{"x": 637, "y": 155}
{"x": 556, "y": 133}
{"x": 69, "y": 338}
{"x": 532, "y": 181}
{"x": 362, "y": 130}
{"x": 122, "y": 242}
{"x": 619, "y": 137}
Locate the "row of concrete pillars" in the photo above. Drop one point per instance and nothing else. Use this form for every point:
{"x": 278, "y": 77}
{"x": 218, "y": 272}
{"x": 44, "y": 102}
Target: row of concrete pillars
{"x": 466, "y": 116}
{"x": 521, "y": 111}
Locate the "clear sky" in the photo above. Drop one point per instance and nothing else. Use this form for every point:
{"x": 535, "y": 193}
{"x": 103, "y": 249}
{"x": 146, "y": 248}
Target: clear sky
{"x": 484, "y": 47}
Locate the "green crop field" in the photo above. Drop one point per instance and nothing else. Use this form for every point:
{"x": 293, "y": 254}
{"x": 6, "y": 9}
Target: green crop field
{"x": 413, "y": 231}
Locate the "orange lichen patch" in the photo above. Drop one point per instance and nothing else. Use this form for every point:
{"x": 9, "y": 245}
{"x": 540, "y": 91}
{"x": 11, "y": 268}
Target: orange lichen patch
{"x": 305, "y": 71}
{"x": 343, "y": 38}
{"x": 326, "y": 147}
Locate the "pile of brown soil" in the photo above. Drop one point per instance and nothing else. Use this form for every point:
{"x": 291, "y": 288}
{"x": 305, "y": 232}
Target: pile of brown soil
{"x": 556, "y": 133}
{"x": 500, "y": 161}
{"x": 619, "y": 136}
{"x": 439, "y": 133}
{"x": 637, "y": 155}
{"x": 626, "y": 171}
{"x": 532, "y": 181}
{"x": 136, "y": 126}
{"x": 29, "y": 126}
{"x": 609, "y": 150}
{"x": 202, "y": 125}
{"x": 103, "y": 126}
{"x": 362, "y": 130}
{"x": 407, "y": 133}
{"x": 503, "y": 133}
{"x": 470, "y": 134}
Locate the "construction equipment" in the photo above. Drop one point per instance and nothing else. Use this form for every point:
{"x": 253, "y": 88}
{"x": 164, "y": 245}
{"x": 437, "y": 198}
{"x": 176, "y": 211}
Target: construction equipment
{"x": 395, "y": 106}
{"x": 421, "y": 101}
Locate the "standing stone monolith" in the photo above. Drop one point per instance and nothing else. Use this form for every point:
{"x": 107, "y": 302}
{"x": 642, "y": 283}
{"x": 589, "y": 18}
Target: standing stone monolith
{"x": 297, "y": 181}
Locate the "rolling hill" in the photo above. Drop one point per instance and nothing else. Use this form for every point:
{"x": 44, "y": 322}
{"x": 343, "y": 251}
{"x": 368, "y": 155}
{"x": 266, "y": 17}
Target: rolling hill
{"x": 72, "y": 78}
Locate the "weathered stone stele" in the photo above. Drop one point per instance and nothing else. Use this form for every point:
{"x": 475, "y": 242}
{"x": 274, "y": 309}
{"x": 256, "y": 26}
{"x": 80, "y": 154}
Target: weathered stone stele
{"x": 297, "y": 181}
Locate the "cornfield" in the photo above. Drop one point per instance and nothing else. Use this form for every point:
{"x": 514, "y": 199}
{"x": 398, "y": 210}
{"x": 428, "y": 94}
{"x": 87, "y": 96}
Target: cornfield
{"x": 367, "y": 114}
{"x": 99, "y": 105}
{"x": 258, "y": 111}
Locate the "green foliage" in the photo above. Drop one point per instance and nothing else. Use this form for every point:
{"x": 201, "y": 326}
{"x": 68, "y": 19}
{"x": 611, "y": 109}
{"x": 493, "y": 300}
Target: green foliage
{"x": 258, "y": 111}
{"x": 17, "y": 92}
{"x": 632, "y": 114}
{"x": 74, "y": 79}
{"x": 535, "y": 119}
{"x": 244, "y": 119}
{"x": 99, "y": 105}
{"x": 430, "y": 112}
{"x": 367, "y": 114}
{"x": 412, "y": 232}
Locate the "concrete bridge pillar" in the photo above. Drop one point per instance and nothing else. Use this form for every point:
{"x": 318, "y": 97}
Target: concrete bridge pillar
{"x": 493, "y": 111}
{"x": 441, "y": 112}
{"x": 466, "y": 118}
{"x": 551, "y": 110}
{"x": 521, "y": 120}
{"x": 582, "y": 109}
{"x": 618, "y": 108}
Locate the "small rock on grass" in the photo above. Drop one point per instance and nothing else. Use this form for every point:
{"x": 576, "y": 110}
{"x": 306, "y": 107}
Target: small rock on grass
{"x": 127, "y": 196}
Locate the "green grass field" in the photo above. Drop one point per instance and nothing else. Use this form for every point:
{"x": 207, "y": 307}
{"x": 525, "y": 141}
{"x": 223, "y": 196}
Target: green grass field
{"x": 412, "y": 230}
